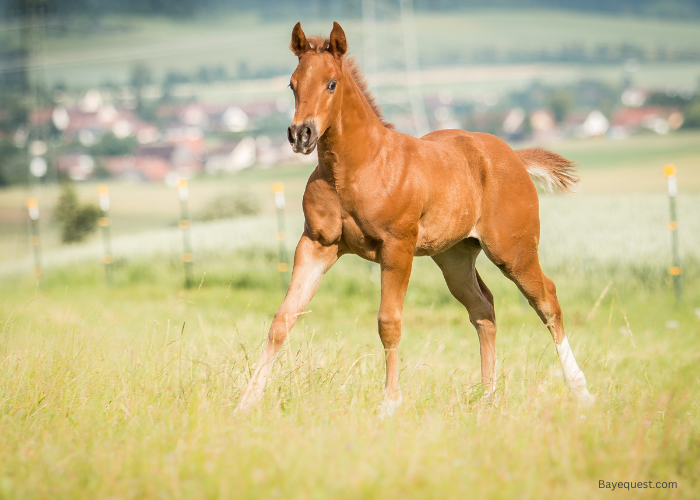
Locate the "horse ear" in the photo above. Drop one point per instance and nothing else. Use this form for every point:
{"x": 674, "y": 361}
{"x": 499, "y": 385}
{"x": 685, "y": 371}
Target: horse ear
{"x": 338, "y": 42}
{"x": 299, "y": 43}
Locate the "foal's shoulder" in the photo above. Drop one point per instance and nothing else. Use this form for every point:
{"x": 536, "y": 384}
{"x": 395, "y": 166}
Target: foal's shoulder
{"x": 320, "y": 184}
{"x": 321, "y": 209}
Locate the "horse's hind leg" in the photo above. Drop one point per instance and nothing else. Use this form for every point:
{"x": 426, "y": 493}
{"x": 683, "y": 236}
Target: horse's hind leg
{"x": 465, "y": 284}
{"x": 520, "y": 263}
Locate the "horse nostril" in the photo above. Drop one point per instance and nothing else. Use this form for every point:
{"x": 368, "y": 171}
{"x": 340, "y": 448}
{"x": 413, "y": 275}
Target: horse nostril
{"x": 290, "y": 136}
{"x": 306, "y": 135}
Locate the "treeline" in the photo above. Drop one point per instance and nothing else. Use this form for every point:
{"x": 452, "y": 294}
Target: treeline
{"x": 661, "y": 8}
{"x": 336, "y": 8}
{"x": 602, "y": 53}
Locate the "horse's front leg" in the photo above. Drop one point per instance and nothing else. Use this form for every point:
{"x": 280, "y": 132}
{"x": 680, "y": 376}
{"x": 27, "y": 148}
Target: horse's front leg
{"x": 311, "y": 261}
{"x": 396, "y": 260}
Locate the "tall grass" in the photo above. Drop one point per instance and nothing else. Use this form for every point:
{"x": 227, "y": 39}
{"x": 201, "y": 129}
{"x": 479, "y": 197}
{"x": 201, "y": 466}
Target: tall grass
{"x": 128, "y": 392}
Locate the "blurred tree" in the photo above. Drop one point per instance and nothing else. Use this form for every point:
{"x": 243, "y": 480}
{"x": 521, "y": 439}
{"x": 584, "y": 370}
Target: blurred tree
{"x": 101, "y": 172}
{"x": 77, "y": 221}
{"x": 13, "y": 164}
{"x": 140, "y": 75}
{"x": 26, "y": 8}
{"x": 173, "y": 77}
{"x": 692, "y": 115}
{"x": 15, "y": 112}
{"x": 225, "y": 206}
{"x": 111, "y": 145}
{"x": 489, "y": 120}
{"x": 204, "y": 75}
{"x": 663, "y": 99}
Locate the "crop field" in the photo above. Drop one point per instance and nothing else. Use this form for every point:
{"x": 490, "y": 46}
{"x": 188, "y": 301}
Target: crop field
{"x": 128, "y": 391}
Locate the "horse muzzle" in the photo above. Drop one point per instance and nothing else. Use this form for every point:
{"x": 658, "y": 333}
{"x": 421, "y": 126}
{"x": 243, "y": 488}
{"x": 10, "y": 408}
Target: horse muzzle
{"x": 303, "y": 136}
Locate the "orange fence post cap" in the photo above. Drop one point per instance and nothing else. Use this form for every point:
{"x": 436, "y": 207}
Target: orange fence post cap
{"x": 277, "y": 187}
{"x": 675, "y": 271}
{"x": 669, "y": 170}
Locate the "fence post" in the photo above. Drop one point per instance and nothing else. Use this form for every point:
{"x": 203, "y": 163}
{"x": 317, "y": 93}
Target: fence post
{"x": 103, "y": 192}
{"x": 185, "y": 226}
{"x": 282, "y": 267}
{"x": 33, "y": 209}
{"x": 675, "y": 270}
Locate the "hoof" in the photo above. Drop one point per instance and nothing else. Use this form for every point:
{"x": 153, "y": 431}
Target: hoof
{"x": 584, "y": 398}
{"x": 245, "y": 404}
{"x": 242, "y": 409}
{"x": 490, "y": 397}
{"x": 388, "y": 407}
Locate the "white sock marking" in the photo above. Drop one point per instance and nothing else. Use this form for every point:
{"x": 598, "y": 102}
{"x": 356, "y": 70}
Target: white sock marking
{"x": 573, "y": 376}
{"x": 388, "y": 406}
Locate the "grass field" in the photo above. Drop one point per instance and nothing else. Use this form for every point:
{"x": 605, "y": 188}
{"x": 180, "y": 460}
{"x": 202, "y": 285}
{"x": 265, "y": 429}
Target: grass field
{"x": 128, "y": 391}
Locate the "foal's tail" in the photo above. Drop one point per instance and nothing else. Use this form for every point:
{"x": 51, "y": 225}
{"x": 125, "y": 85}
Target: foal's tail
{"x": 552, "y": 171}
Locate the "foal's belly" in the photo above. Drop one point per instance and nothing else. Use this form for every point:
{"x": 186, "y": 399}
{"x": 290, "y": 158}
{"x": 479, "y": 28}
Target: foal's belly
{"x": 441, "y": 229}
{"x": 357, "y": 241}
{"x": 434, "y": 236}
{"x": 431, "y": 242}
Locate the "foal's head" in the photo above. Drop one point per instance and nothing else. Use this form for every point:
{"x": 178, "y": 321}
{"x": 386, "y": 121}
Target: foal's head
{"x": 316, "y": 84}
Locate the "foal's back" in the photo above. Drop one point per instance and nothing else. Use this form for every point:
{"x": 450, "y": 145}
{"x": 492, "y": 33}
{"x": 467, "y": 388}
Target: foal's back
{"x": 471, "y": 181}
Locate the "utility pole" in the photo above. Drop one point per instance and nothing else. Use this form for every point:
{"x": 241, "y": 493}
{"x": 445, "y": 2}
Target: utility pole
{"x": 392, "y": 47}
{"x": 32, "y": 15}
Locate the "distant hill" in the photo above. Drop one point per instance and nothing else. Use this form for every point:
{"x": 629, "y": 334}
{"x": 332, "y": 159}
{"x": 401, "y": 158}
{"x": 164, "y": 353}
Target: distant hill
{"x": 245, "y": 46}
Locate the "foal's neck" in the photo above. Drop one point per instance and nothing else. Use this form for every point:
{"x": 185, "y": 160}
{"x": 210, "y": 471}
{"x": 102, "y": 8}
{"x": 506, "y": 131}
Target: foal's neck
{"x": 354, "y": 137}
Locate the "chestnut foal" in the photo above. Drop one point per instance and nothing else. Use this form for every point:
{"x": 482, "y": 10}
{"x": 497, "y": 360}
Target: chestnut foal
{"x": 389, "y": 197}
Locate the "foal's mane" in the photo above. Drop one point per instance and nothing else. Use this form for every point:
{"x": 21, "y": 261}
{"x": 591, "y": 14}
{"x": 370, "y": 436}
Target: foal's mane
{"x": 320, "y": 44}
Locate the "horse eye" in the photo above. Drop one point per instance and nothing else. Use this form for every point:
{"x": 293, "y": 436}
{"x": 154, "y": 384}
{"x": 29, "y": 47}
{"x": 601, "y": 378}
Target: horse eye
{"x": 331, "y": 85}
